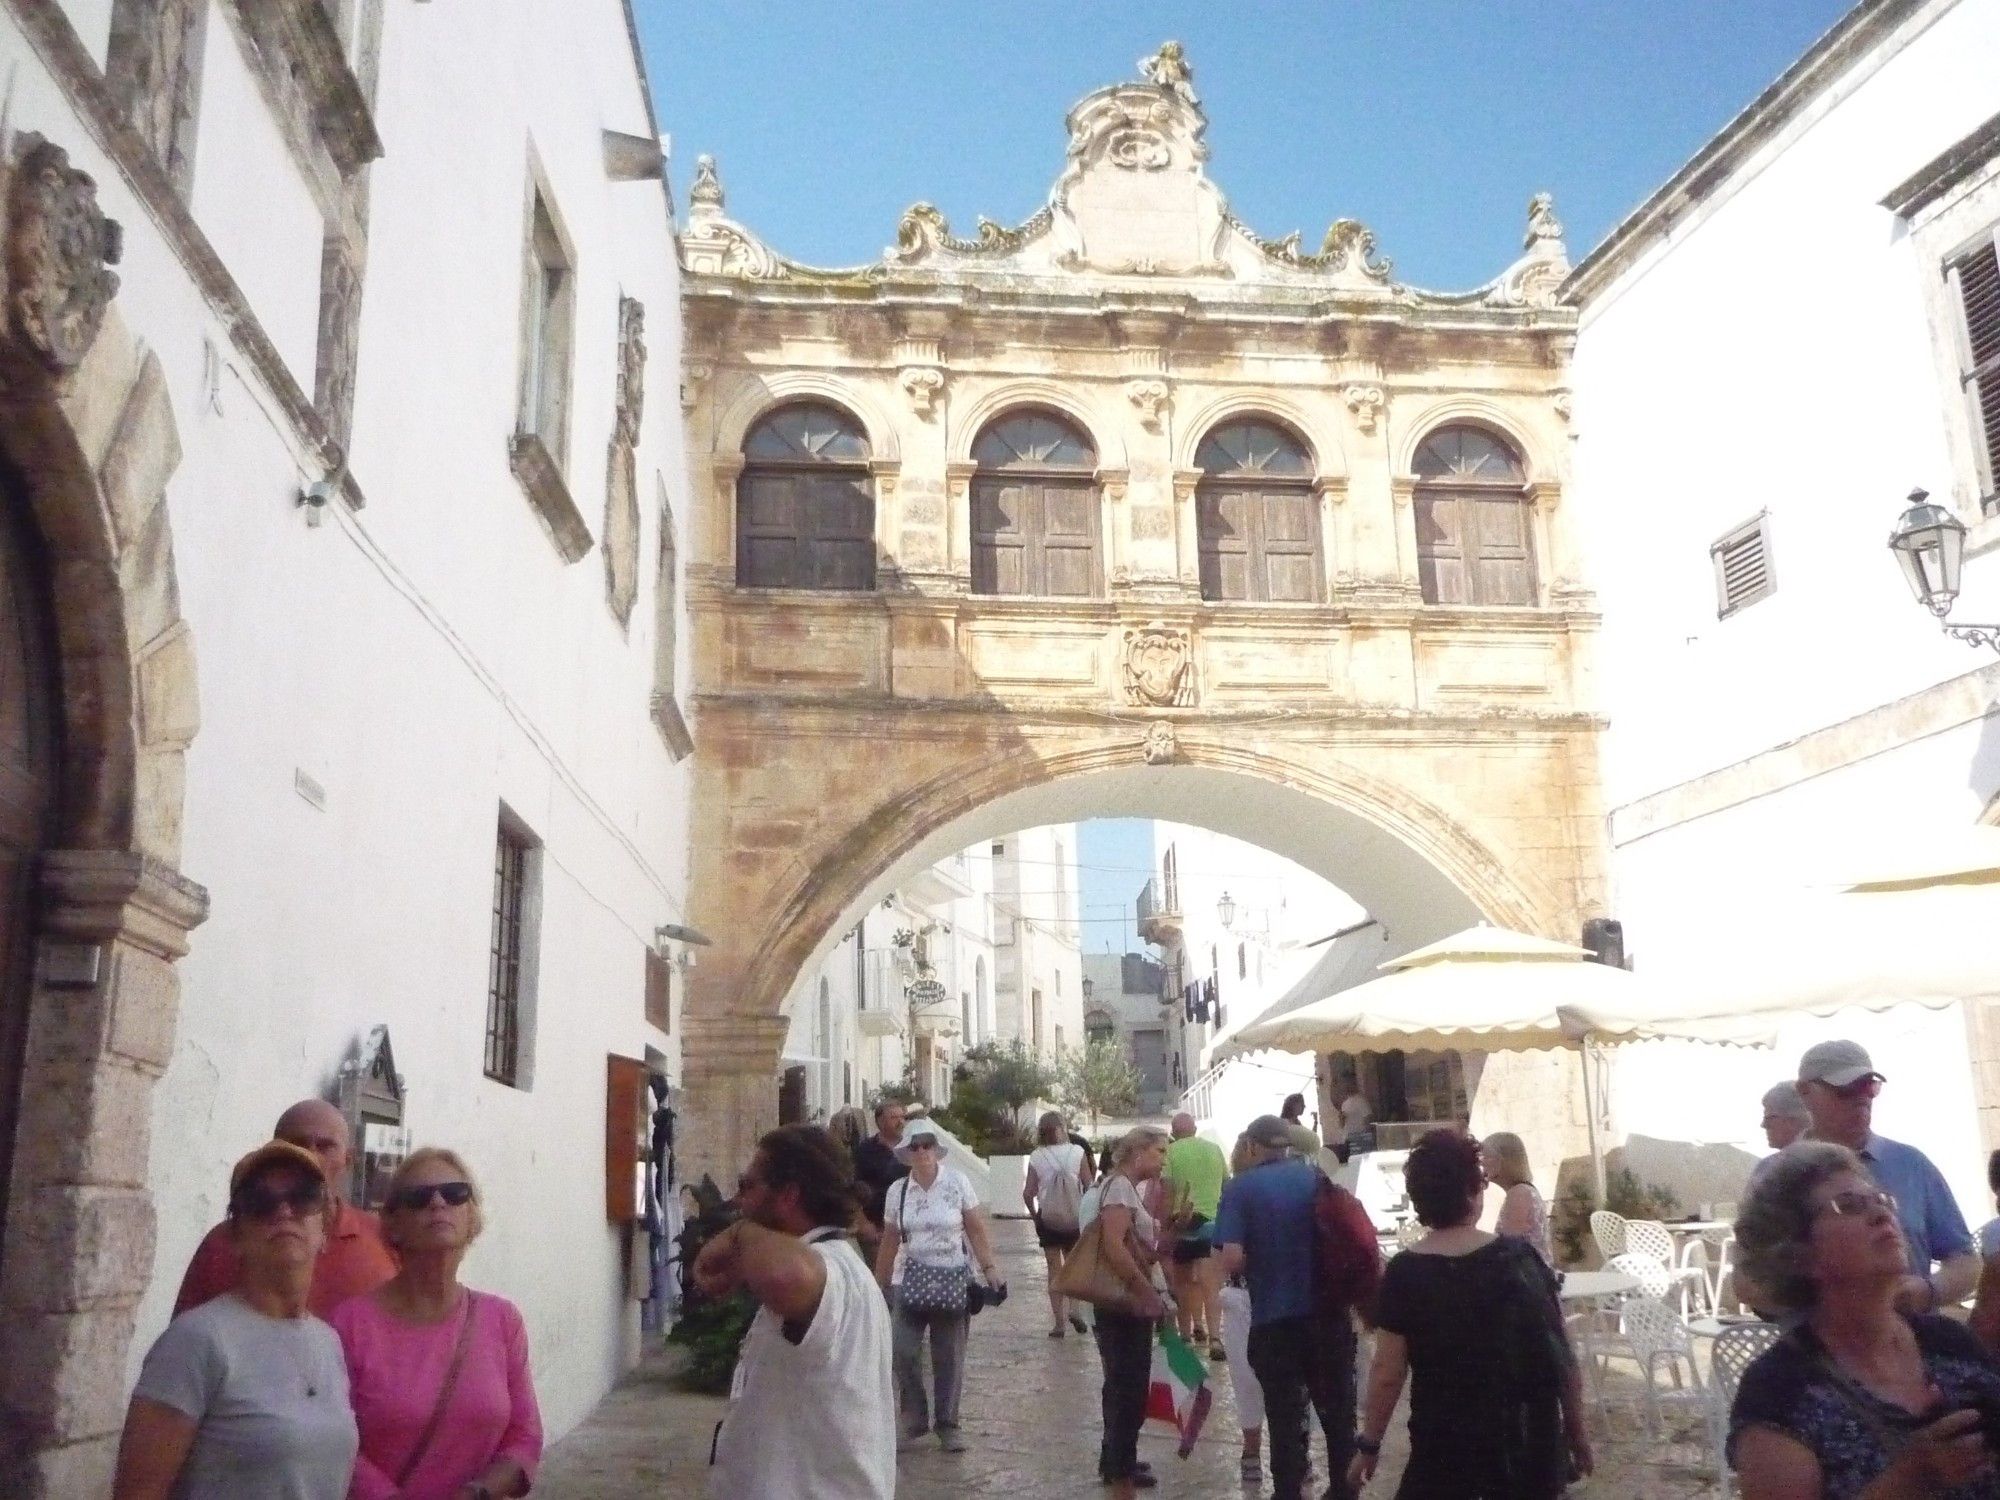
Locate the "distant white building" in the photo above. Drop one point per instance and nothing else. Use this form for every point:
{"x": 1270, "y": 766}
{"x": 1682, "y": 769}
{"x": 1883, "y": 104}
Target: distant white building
{"x": 1123, "y": 1005}
{"x": 1799, "y": 327}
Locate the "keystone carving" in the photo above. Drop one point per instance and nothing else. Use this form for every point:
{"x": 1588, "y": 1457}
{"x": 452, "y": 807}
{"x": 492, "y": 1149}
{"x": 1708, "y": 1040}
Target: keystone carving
{"x": 1160, "y": 748}
{"x": 1159, "y": 666}
{"x": 57, "y": 250}
{"x": 1365, "y": 401}
{"x": 923, "y": 386}
{"x": 1563, "y": 405}
{"x": 694, "y": 374}
{"x": 1150, "y": 396}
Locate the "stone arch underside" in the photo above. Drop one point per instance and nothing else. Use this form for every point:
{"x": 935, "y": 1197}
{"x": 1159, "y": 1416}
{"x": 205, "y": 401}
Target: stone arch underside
{"x": 817, "y": 813}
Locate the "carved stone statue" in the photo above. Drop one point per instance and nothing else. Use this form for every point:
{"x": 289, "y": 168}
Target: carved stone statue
{"x": 58, "y": 245}
{"x": 1168, "y": 69}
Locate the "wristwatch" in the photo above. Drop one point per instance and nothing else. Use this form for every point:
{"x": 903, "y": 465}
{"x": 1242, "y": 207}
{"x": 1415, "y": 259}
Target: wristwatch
{"x": 1367, "y": 1446}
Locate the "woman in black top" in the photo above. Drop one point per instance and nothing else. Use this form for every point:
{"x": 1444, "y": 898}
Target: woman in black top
{"x": 1858, "y": 1400}
{"x": 1496, "y": 1405}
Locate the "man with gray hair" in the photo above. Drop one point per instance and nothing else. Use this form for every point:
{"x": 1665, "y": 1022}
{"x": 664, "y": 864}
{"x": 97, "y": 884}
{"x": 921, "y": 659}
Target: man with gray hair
{"x": 1786, "y": 1119}
{"x": 1839, "y": 1083}
{"x": 1195, "y": 1171}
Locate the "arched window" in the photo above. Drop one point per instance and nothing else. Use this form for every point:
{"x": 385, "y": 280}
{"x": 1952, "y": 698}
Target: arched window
{"x": 1473, "y": 543}
{"x": 805, "y": 506}
{"x": 1257, "y": 516}
{"x": 1035, "y": 513}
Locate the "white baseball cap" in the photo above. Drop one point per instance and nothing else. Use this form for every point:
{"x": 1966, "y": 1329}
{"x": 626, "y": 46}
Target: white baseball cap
{"x": 1837, "y": 1064}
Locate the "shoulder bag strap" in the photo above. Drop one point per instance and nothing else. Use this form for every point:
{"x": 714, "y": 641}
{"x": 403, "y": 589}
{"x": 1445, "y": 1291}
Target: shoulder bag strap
{"x": 444, "y": 1392}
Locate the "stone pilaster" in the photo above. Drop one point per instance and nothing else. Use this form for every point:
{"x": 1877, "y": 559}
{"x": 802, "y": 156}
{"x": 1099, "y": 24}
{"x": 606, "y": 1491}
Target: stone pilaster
{"x": 729, "y": 1092}
{"x": 80, "y": 1222}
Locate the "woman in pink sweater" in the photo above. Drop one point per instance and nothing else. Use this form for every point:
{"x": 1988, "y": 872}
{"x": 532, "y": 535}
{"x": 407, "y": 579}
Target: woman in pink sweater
{"x": 438, "y": 1372}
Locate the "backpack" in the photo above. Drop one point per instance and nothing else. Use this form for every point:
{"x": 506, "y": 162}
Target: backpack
{"x": 1059, "y": 1201}
{"x": 1346, "y": 1260}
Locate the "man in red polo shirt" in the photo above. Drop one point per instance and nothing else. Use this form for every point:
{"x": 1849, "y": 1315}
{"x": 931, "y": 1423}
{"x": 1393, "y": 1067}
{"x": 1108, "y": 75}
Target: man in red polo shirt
{"x": 355, "y": 1259}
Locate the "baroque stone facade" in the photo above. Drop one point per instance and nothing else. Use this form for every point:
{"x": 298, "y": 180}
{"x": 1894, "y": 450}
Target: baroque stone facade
{"x": 1124, "y": 488}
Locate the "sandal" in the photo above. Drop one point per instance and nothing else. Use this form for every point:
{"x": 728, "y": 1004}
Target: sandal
{"x": 1076, "y": 1322}
{"x": 1216, "y": 1352}
{"x": 1058, "y": 1331}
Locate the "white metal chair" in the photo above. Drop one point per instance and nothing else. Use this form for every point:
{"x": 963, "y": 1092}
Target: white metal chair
{"x": 1734, "y": 1350}
{"x": 1710, "y": 1252}
{"x": 1608, "y": 1229}
{"x": 1408, "y": 1232}
{"x": 1662, "y": 1345}
{"x": 1607, "y": 1332}
{"x": 1652, "y": 1239}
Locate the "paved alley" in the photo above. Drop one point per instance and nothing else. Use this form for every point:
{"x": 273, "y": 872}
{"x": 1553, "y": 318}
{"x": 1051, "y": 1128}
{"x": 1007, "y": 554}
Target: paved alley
{"x": 1031, "y": 1422}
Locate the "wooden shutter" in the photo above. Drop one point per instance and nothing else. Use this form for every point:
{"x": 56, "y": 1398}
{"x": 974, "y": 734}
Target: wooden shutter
{"x": 1069, "y": 538}
{"x": 1978, "y": 276}
{"x": 659, "y": 992}
{"x": 767, "y": 529}
{"x": 1000, "y": 531}
{"x": 1503, "y": 569}
{"x": 1441, "y": 566}
{"x": 838, "y": 533}
{"x": 1290, "y": 539}
{"x": 1223, "y": 536}
{"x": 625, "y": 1121}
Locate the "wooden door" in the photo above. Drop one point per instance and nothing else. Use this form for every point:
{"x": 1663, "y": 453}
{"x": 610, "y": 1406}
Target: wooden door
{"x": 27, "y": 786}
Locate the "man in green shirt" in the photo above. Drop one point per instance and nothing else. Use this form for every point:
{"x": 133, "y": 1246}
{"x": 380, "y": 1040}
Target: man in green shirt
{"x": 1195, "y": 1172}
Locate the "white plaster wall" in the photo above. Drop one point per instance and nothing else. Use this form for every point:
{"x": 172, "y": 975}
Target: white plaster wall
{"x": 425, "y": 661}
{"x": 92, "y": 20}
{"x": 1774, "y": 354}
{"x": 252, "y": 202}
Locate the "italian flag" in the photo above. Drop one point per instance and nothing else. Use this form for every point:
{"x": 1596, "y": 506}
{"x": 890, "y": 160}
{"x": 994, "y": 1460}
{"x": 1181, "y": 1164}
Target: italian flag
{"x": 1180, "y": 1396}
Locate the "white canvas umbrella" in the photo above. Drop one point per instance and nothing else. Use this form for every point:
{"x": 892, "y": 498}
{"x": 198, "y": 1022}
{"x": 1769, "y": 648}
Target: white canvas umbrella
{"x": 1486, "y": 989}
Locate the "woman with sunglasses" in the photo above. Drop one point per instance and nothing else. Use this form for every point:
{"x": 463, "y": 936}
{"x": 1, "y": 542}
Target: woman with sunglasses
{"x": 1860, "y": 1397}
{"x": 439, "y": 1372}
{"x": 245, "y": 1397}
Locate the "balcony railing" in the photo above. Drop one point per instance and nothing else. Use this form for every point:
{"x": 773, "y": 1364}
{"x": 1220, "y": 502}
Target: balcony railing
{"x": 1159, "y": 912}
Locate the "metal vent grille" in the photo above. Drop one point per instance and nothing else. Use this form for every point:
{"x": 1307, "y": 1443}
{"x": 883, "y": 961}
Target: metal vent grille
{"x": 1743, "y": 573}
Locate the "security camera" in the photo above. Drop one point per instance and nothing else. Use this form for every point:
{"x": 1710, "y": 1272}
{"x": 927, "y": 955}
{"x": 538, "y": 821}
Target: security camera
{"x": 315, "y": 496}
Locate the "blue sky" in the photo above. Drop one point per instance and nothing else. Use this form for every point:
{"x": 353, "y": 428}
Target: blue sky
{"x": 1431, "y": 120}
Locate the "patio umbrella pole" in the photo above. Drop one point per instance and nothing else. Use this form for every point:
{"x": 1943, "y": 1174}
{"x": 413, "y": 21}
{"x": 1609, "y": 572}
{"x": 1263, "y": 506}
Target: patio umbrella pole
{"x": 1590, "y": 1121}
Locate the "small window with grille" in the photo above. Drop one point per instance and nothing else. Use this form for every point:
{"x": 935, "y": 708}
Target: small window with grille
{"x": 1743, "y": 571}
{"x": 510, "y": 974}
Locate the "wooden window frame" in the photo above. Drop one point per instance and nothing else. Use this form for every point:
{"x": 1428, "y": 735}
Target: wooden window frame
{"x": 548, "y": 327}
{"x": 1033, "y": 485}
{"x": 1721, "y": 554}
{"x": 805, "y": 568}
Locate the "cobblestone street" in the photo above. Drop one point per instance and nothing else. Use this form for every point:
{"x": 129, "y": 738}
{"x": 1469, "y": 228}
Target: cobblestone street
{"x": 1031, "y": 1422}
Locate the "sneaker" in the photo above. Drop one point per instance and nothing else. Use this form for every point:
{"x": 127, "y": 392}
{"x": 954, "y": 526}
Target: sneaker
{"x": 950, "y": 1440}
{"x": 1251, "y": 1469}
{"x": 1216, "y": 1353}
{"x": 912, "y": 1436}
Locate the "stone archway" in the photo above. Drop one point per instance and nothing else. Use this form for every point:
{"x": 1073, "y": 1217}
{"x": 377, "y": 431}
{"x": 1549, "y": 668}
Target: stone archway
{"x": 87, "y": 426}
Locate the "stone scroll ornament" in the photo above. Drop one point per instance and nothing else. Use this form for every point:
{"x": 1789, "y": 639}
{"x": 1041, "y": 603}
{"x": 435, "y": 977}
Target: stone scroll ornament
{"x": 1159, "y": 666}
{"x": 58, "y": 245}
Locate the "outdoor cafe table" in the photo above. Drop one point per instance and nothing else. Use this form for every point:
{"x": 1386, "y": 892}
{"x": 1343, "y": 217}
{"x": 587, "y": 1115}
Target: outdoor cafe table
{"x": 1588, "y": 1287}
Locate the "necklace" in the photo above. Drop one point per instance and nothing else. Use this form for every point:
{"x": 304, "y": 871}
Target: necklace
{"x": 308, "y": 1366}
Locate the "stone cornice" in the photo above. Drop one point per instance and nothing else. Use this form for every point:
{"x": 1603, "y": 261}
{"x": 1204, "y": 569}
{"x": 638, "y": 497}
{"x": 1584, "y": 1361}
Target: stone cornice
{"x": 1947, "y": 170}
{"x": 98, "y": 894}
{"x": 62, "y": 51}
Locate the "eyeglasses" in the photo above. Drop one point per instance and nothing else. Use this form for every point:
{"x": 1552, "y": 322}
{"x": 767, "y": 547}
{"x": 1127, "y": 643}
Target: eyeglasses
{"x": 419, "y": 1195}
{"x": 1855, "y": 1204}
{"x": 923, "y": 1145}
{"x": 259, "y": 1200}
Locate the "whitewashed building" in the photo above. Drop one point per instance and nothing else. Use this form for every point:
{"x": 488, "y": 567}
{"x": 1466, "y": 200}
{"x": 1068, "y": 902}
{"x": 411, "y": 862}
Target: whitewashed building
{"x": 343, "y": 657}
{"x": 1796, "y": 330}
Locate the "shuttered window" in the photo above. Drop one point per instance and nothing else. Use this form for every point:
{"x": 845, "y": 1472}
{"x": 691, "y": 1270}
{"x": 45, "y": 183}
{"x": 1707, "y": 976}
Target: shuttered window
{"x": 1474, "y": 539}
{"x": 1256, "y": 517}
{"x": 1977, "y": 277}
{"x": 805, "y": 504}
{"x": 1035, "y": 510}
{"x": 507, "y": 957}
{"x": 1743, "y": 572}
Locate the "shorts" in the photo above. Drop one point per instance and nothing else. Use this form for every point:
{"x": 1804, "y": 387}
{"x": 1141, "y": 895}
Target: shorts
{"x": 1193, "y": 1243}
{"x": 1055, "y": 1239}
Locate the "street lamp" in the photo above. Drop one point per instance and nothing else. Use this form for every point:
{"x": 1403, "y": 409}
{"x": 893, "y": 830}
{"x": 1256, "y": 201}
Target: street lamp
{"x": 1929, "y": 543}
{"x": 1225, "y": 911}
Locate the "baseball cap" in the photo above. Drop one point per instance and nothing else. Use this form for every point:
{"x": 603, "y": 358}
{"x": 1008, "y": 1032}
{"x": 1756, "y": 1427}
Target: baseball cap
{"x": 1270, "y": 1132}
{"x": 275, "y": 1153}
{"x": 919, "y": 1132}
{"x": 1837, "y": 1064}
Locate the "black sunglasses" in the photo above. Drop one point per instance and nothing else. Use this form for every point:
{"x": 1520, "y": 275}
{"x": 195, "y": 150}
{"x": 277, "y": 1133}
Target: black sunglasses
{"x": 455, "y": 1194}
{"x": 258, "y": 1200}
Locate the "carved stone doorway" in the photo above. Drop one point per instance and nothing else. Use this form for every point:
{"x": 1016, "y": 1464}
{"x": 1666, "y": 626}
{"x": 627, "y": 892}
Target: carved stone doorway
{"x": 27, "y": 787}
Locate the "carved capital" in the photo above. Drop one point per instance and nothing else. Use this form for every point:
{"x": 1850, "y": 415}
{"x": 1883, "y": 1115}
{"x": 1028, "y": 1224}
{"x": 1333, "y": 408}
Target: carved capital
{"x": 923, "y": 384}
{"x": 1365, "y": 401}
{"x": 1150, "y": 397}
{"x": 59, "y": 244}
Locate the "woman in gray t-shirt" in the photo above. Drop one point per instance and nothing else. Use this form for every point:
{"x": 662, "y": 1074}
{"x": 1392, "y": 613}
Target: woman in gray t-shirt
{"x": 245, "y": 1397}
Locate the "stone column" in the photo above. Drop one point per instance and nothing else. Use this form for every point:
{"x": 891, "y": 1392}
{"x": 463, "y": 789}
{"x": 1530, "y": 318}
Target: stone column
{"x": 80, "y": 1220}
{"x": 729, "y": 1081}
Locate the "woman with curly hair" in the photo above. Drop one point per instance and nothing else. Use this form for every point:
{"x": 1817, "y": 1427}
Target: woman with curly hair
{"x": 1859, "y": 1400}
{"x": 1472, "y": 1320}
